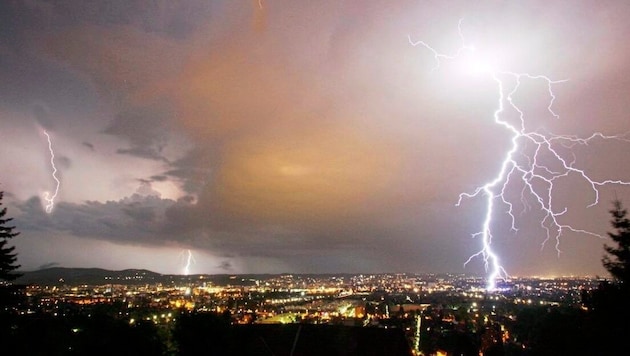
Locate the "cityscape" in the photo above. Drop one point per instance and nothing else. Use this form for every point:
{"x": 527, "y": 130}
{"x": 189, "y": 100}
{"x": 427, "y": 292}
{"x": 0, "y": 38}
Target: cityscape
{"x": 430, "y": 310}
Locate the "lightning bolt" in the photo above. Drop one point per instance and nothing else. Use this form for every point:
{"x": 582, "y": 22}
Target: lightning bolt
{"x": 50, "y": 199}
{"x": 536, "y": 160}
{"x": 189, "y": 261}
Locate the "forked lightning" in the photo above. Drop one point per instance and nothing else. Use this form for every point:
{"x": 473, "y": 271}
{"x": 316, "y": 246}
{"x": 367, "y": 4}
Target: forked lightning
{"x": 535, "y": 160}
{"x": 50, "y": 198}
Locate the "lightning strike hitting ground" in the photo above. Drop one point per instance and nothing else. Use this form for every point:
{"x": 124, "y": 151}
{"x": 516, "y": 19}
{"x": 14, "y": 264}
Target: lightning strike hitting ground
{"x": 536, "y": 160}
{"x": 50, "y": 199}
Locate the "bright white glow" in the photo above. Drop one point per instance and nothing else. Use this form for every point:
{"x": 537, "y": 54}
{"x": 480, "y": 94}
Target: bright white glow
{"x": 477, "y": 63}
{"x": 189, "y": 259}
{"x": 50, "y": 199}
{"x": 534, "y": 162}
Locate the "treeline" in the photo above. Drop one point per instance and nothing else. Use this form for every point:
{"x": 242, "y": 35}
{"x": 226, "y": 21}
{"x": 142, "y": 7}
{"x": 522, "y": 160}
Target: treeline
{"x": 99, "y": 334}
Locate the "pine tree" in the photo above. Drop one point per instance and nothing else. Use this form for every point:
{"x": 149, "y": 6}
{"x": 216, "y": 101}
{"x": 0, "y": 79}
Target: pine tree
{"x": 617, "y": 261}
{"x": 607, "y": 323}
{"x": 7, "y": 257}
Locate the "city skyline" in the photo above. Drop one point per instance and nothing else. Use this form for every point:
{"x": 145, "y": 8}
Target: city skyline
{"x": 284, "y": 136}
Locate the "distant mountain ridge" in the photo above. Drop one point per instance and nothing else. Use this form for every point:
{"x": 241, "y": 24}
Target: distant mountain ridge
{"x": 56, "y": 276}
{"x": 63, "y": 275}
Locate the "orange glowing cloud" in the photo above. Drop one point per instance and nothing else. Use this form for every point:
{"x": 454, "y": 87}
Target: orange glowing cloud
{"x": 236, "y": 89}
{"x": 307, "y": 174}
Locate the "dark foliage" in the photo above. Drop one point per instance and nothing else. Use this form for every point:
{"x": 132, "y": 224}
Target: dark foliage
{"x": 554, "y": 331}
{"x": 8, "y": 258}
{"x": 608, "y": 305}
{"x": 617, "y": 261}
{"x": 203, "y": 332}
{"x": 45, "y": 334}
{"x": 212, "y": 334}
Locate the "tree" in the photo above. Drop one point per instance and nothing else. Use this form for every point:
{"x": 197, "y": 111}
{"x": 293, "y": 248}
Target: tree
{"x": 617, "y": 261}
{"x": 7, "y": 257}
{"x": 606, "y": 324}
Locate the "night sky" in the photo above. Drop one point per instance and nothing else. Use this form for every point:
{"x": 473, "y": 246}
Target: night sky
{"x": 299, "y": 136}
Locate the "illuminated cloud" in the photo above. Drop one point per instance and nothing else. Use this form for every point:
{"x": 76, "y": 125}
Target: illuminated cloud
{"x": 304, "y": 136}
{"x": 312, "y": 173}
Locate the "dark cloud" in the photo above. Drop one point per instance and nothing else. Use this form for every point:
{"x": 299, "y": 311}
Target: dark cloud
{"x": 159, "y": 178}
{"x": 143, "y": 152}
{"x": 42, "y": 115}
{"x": 145, "y": 189}
{"x": 174, "y": 19}
{"x": 152, "y": 221}
{"x": 31, "y": 215}
{"x": 139, "y": 127}
{"x": 146, "y": 131}
{"x": 195, "y": 169}
{"x": 225, "y": 265}
{"x": 131, "y": 220}
{"x": 64, "y": 162}
{"x": 139, "y": 213}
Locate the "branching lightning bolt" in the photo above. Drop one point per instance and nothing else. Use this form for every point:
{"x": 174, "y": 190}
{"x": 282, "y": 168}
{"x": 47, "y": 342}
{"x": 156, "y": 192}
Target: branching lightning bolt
{"x": 535, "y": 159}
{"x": 50, "y": 199}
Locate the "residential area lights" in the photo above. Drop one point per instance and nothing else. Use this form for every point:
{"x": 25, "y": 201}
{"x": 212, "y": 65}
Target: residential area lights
{"x": 404, "y": 301}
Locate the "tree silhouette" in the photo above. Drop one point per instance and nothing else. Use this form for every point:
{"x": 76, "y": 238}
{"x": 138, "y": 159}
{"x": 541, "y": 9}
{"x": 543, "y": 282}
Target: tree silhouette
{"x": 607, "y": 322}
{"x": 7, "y": 257}
{"x": 617, "y": 260}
